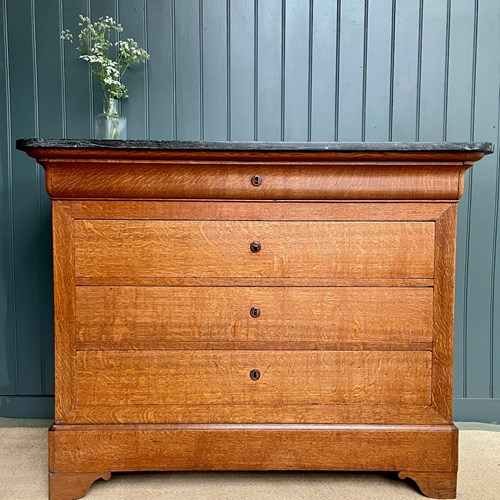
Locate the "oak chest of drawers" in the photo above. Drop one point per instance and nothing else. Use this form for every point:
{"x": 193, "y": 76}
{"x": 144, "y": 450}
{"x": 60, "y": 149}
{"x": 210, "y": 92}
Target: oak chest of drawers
{"x": 250, "y": 306}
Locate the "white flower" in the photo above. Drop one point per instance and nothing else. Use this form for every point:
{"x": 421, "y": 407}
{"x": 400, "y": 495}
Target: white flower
{"x": 66, "y": 35}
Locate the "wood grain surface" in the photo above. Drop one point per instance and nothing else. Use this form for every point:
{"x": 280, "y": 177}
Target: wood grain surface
{"x": 222, "y": 377}
{"x": 433, "y": 484}
{"x": 247, "y": 414}
{"x": 193, "y": 314}
{"x": 71, "y": 485}
{"x": 64, "y": 310}
{"x": 106, "y": 248}
{"x": 253, "y": 447}
{"x": 442, "y": 366}
{"x": 260, "y": 210}
{"x": 304, "y": 181}
{"x": 155, "y": 345}
{"x": 217, "y": 281}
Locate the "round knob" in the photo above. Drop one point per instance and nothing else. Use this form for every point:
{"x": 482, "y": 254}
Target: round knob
{"x": 256, "y": 180}
{"x": 255, "y": 312}
{"x": 255, "y": 246}
{"x": 255, "y": 374}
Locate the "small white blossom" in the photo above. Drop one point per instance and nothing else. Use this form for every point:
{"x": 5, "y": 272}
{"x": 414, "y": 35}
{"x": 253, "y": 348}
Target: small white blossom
{"x": 66, "y": 35}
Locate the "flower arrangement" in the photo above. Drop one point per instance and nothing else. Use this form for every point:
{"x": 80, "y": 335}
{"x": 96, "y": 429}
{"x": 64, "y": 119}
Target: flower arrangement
{"x": 108, "y": 60}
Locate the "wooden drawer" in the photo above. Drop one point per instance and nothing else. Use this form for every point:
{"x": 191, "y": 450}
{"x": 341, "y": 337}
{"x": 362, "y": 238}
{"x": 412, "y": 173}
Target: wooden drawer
{"x": 140, "y": 248}
{"x": 120, "y": 179}
{"x": 115, "y": 378}
{"x": 193, "y": 314}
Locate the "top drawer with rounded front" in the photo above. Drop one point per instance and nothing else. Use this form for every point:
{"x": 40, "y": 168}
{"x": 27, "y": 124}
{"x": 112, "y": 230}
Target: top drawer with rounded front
{"x": 296, "y": 180}
{"x": 286, "y": 249}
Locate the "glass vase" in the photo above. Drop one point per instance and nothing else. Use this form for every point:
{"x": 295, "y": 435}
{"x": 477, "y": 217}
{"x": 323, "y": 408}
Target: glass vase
{"x": 110, "y": 124}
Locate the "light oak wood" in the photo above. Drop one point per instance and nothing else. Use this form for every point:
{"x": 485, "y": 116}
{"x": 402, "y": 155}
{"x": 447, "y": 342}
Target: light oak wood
{"x": 442, "y": 366}
{"x": 289, "y": 249}
{"x": 291, "y": 345}
{"x": 260, "y": 210}
{"x": 434, "y": 484}
{"x": 64, "y": 310}
{"x": 237, "y": 414}
{"x": 72, "y": 485}
{"x": 154, "y": 278}
{"x": 194, "y": 314}
{"x": 129, "y": 179}
{"x": 253, "y": 447}
{"x": 211, "y": 281}
{"x": 222, "y": 377}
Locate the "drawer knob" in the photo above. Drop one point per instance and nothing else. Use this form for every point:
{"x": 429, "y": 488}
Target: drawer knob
{"x": 255, "y": 312}
{"x": 255, "y": 246}
{"x": 255, "y": 374}
{"x": 256, "y": 180}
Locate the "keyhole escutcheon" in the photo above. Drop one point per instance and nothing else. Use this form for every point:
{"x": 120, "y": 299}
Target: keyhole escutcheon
{"x": 256, "y": 180}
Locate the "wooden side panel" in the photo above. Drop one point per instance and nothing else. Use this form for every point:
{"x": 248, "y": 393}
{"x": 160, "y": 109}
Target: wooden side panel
{"x": 224, "y": 377}
{"x": 64, "y": 310}
{"x": 334, "y": 447}
{"x": 107, "y": 248}
{"x": 444, "y": 287}
{"x": 149, "y": 179}
{"x": 197, "y": 314}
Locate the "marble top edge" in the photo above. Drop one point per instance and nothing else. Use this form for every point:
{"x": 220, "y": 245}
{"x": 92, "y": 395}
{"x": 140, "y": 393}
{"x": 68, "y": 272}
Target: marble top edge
{"x": 26, "y": 144}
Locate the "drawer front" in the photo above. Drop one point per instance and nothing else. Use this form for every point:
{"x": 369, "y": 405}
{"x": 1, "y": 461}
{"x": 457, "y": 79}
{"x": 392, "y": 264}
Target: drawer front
{"x": 124, "y": 179}
{"x": 191, "y": 314}
{"x": 140, "y": 248}
{"x": 115, "y": 378}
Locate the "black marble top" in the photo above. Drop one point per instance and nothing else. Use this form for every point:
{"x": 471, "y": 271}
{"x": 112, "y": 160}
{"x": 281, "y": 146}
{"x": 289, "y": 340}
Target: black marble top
{"x": 27, "y": 144}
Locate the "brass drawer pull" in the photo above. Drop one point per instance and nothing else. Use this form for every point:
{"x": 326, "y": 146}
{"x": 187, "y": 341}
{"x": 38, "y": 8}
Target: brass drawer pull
{"x": 255, "y": 312}
{"x": 255, "y": 374}
{"x": 256, "y": 180}
{"x": 255, "y": 247}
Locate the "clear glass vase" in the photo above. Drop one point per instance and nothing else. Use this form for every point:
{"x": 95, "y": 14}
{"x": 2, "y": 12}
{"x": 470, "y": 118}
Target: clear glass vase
{"x": 110, "y": 124}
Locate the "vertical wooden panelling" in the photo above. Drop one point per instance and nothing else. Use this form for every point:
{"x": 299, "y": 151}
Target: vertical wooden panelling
{"x": 241, "y": 70}
{"x": 296, "y": 70}
{"x": 323, "y": 70}
{"x": 161, "y": 77}
{"x": 269, "y": 70}
{"x": 458, "y": 127}
{"x": 26, "y": 195}
{"x": 352, "y": 17}
{"x": 406, "y": 43}
{"x": 8, "y": 330}
{"x": 495, "y": 340}
{"x": 252, "y": 69}
{"x": 215, "y": 70}
{"x": 495, "y": 291}
{"x": 378, "y": 70}
{"x": 482, "y": 224}
{"x": 49, "y": 125}
{"x": 188, "y": 81}
{"x": 432, "y": 71}
{"x": 78, "y": 88}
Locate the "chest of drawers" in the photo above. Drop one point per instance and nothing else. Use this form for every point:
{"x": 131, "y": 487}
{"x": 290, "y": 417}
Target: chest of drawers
{"x": 249, "y": 306}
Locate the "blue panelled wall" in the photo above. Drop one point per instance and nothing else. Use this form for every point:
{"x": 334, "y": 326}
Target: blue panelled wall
{"x": 306, "y": 70}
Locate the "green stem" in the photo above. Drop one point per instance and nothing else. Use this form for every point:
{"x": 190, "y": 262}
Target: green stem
{"x": 123, "y": 72}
